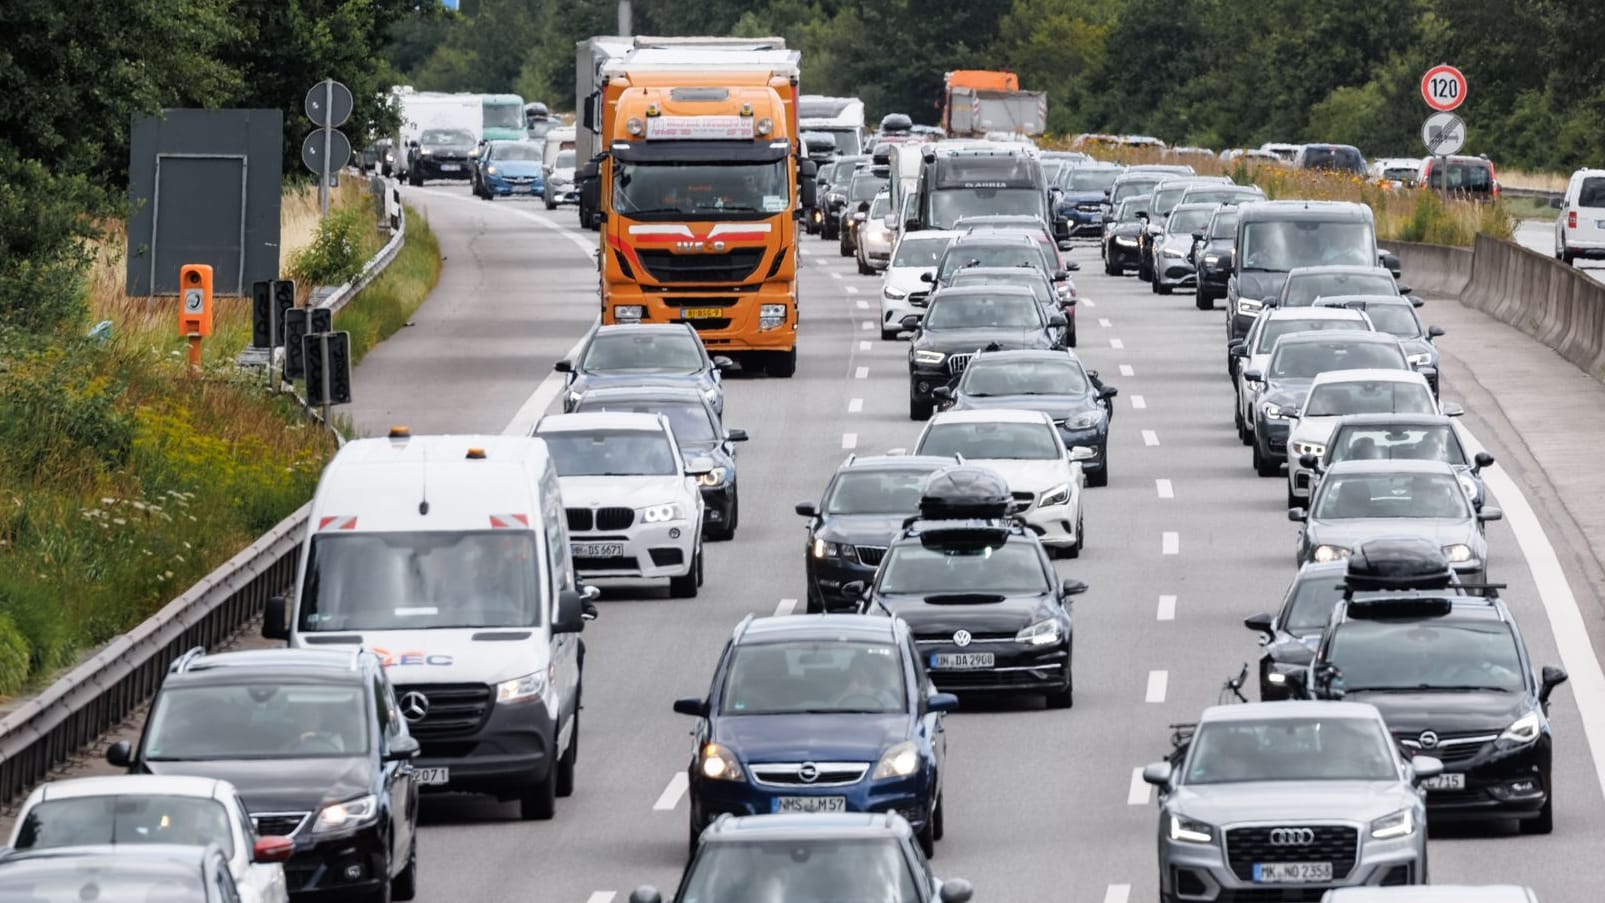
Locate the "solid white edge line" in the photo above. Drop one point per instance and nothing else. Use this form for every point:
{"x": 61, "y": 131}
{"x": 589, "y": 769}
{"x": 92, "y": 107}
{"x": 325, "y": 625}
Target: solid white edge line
{"x": 1117, "y": 893}
{"x": 1157, "y": 682}
{"x": 1137, "y": 794}
{"x": 1167, "y": 608}
{"x": 1149, "y": 437}
{"x": 1170, "y": 543}
{"x": 1126, "y": 370}
{"x": 849, "y": 441}
{"x": 1165, "y": 489}
{"x": 861, "y": 373}
{"x": 786, "y": 607}
{"x": 1138, "y": 402}
{"x": 1116, "y": 344}
{"x": 1566, "y": 622}
{"x": 670, "y": 797}
{"x": 606, "y": 896}
{"x": 855, "y": 405}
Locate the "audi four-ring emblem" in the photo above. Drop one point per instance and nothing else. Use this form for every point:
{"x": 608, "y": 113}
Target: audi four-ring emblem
{"x": 1292, "y": 837}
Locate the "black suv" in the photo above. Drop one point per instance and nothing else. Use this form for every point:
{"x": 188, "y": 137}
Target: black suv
{"x": 1452, "y": 677}
{"x": 978, "y": 591}
{"x": 1212, "y": 246}
{"x": 1274, "y": 237}
{"x": 318, "y": 748}
{"x": 963, "y": 321}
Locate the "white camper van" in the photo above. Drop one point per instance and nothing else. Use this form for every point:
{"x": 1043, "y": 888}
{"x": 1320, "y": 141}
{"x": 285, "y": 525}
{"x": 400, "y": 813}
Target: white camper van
{"x": 448, "y": 557}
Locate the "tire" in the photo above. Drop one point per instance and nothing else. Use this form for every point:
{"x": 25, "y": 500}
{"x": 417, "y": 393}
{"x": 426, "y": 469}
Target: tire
{"x": 927, "y": 840}
{"x": 685, "y": 586}
{"x": 1109, "y": 268}
{"x": 382, "y": 895}
{"x": 413, "y": 180}
{"x": 1203, "y": 301}
{"x": 1292, "y": 500}
{"x": 841, "y": 247}
{"x": 1162, "y": 289}
{"x": 1243, "y": 434}
{"x": 565, "y": 765}
{"x": 1081, "y": 538}
{"x": 1070, "y": 337}
{"x": 781, "y": 364}
{"x": 539, "y": 800}
{"x": 551, "y": 205}
{"x": 813, "y": 604}
{"x": 1568, "y": 258}
{"x": 693, "y": 836}
{"x": 1100, "y": 477}
{"x": 1265, "y": 467}
{"x": 919, "y": 410}
{"x": 1065, "y": 698}
{"x": 405, "y": 885}
{"x": 889, "y": 335}
{"x": 1545, "y": 822}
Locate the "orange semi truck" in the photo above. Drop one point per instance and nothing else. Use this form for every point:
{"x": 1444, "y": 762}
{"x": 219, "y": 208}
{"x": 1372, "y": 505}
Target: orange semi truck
{"x": 701, "y": 187}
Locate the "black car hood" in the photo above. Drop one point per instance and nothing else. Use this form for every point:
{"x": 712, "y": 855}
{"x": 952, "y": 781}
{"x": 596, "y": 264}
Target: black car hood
{"x": 1408, "y": 714}
{"x": 282, "y": 785}
{"x": 862, "y": 529}
{"x": 711, "y": 448}
{"x": 1125, "y": 228}
{"x": 962, "y": 340}
{"x": 803, "y": 737}
{"x": 1055, "y": 406}
{"x": 930, "y": 620}
{"x": 1260, "y": 285}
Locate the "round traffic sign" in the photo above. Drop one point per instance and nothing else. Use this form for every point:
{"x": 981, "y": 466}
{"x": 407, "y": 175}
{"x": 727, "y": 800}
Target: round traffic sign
{"x": 312, "y": 150}
{"x": 1444, "y": 134}
{"x": 1443, "y": 88}
{"x": 328, "y": 104}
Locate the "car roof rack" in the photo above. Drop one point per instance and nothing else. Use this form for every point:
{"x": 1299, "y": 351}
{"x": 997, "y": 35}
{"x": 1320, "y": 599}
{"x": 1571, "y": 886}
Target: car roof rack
{"x": 184, "y": 662}
{"x": 965, "y": 534}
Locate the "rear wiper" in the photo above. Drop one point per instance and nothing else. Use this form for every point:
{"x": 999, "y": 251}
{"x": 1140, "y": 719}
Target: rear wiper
{"x": 964, "y": 598}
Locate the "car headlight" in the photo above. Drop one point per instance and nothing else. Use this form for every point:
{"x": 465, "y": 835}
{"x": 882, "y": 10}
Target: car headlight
{"x": 423, "y": 151}
{"x": 490, "y": 170}
{"x": 712, "y": 394}
{"x": 1458, "y": 553}
{"x": 1522, "y": 731}
{"x": 900, "y": 761}
{"x": 628, "y": 312}
{"x": 718, "y": 764}
{"x": 1042, "y": 633}
{"x": 1172, "y": 253}
{"x": 1420, "y": 360}
{"x": 894, "y": 294}
{"x": 842, "y": 550}
{"x": 929, "y": 357}
{"x": 1125, "y": 240}
{"x": 1249, "y": 306}
{"x": 1308, "y": 448}
{"x": 1187, "y": 830}
{"x": 1085, "y": 420}
{"x": 1272, "y": 411}
{"x": 1325, "y": 553}
{"x": 659, "y": 514}
{"x": 1058, "y": 495}
{"x": 1211, "y": 259}
{"x": 521, "y": 689}
{"x": 714, "y": 477}
{"x": 1399, "y": 824}
{"x": 348, "y": 814}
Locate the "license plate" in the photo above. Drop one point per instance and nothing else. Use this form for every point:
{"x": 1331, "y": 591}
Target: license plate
{"x": 701, "y": 313}
{"x": 596, "y": 549}
{"x": 962, "y": 661}
{"x": 432, "y": 777}
{"x": 1291, "y": 872}
{"x": 809, "y": 804}
{"x": 449, "y": 167}
{"x": 1447, "y": 781}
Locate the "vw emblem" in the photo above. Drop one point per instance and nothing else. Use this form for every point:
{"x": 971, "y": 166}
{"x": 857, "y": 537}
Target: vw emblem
{"x": 1428, "y": 740}
{"x": 414, "y": 705}
{"x": 808, "y": 773}
{"x": 1292, "y": 837}
{"x": 961, "y": 638}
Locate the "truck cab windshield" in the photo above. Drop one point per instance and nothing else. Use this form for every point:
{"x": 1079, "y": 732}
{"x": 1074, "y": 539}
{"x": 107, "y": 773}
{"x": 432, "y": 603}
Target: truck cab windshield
{"x": 668, "y": 190}
{"x": 948, "y": 204}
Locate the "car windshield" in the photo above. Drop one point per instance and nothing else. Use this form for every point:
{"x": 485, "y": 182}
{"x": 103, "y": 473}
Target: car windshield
{"x": 1342, "y": 159}
{"x": 57, "y": 880}
{"x": 265, "y": 720}
{"x": 1223, "y": 226}
{"x": 517, "y": 150}
{"x": 1395, "y": 319}
{"x": 1031, "y": 279}
{"x": 865, "y": 188}
{"x": 1275, "y": 328}
{"x": 1467, "y": 176}
{"x": 1416, "y": 655}
{"x": 1414, "y": 495}
{"x": 983, "y": 312}
{"x": 670, "y": 190}
{"x": 842, "y": 175}
{"x": 1401, "y": 173}
{"x": 1369, "y": 397}
{"x": 1165, "y": 200}
{"x": 881, "y": 206}
{"x": 1314, "y": 597}
{"x": 801, "y": 870}
{"x": 1087, "y": 180}
{"x": 1023, "y": 377}
{"x": 813, "y": 677}
{"x": 689, "y": 420}
{"x": 610, "y": 453}
{"x": 642, "y": 352}
{"x": 1186, "y": 222}
{"x": 991, "y": 440}
{"x": 877, "y": 492}
{"x": 1012, "y": 568}
{"x": 1306, "y": 360}
{"x": 124, "y": 819}
{"x": 1291, "y": 749}
{"x": 417, "y": 581}
{"x": 1019, "y": 254}
{"x": 1224, "y": 195}
{"x": 913, "y": 251}
{"x": 565, "y": 160}
{"x": 1128, "y": 211}
{"x": 445, "y": 136}
{"x": 503, "y": 115}
{"x": 1303, "y": 288}
{"x": 948, "y": 204}
{"x": 1279, "y": 246}
{"x": 1136, "y": 188}
{"x": 1436, "y": 442}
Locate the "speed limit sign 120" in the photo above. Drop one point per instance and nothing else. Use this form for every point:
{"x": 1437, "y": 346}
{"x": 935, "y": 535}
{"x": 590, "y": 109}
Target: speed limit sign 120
{"x": 1443, "y": 88}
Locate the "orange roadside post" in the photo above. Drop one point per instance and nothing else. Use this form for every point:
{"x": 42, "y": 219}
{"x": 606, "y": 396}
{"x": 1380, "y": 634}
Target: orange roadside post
{"x": 195, "y": 313}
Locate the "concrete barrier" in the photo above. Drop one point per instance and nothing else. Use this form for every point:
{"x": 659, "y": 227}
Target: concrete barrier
{"x": 1541, "y": 296}
{"x": 1432, "y": 269}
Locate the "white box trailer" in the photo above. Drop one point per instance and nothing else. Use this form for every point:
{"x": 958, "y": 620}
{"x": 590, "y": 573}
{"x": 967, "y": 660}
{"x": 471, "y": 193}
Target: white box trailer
{"x": 422, "y": 110}
{"x": 974, "y": 113}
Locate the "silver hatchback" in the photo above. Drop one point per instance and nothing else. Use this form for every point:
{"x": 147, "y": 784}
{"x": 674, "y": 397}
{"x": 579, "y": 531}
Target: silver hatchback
{"x": 1289, "y": 797}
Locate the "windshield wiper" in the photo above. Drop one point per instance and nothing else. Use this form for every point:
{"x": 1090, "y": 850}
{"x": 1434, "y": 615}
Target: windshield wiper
{"x": 964, "y": 598}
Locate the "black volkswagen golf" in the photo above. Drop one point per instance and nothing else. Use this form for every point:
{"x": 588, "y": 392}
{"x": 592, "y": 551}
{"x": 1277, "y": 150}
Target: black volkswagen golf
{"x": 320, "y": 753}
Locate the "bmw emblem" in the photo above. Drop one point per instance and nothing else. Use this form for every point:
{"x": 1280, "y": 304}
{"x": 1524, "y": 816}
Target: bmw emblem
{"x": 1428, "y": 740}
{"x": 961, "y": 638}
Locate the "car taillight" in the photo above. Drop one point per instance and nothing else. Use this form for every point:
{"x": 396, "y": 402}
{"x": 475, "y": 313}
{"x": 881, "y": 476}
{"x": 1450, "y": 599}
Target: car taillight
{"x": 1571, "y": 220}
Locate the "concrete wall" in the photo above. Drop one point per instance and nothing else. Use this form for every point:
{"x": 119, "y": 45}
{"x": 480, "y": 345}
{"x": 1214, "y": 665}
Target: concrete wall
{"x": 1541, "y": 296}
{"x": 1432, "y": 269}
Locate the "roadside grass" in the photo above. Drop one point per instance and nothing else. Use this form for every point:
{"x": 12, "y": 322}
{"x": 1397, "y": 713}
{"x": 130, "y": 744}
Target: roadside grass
{"x": 1532, "y": 208}
{"x": 388, "y": 303}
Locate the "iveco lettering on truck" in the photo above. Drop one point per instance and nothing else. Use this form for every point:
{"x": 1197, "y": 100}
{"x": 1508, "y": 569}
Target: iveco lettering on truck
{"x": 448, "y": 557}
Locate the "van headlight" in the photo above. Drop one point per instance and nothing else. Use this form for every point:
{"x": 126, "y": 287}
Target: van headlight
{"x": 1249, "y": 306}
{"x": 1522, "y": 731}
{"x": 660, "y": 514}
{"x": 900, "y": 761}
{"x": 521, "y": 689}
{"x": 1399, "y": 824}
{"x": 1187, "y": 830}
{"x": 1042, "y": 633}
{"x": 1211, "y": 259}
{"x": 714, "y": 477}
{"x": 1308, "y": 448}
{"x": 346, "y": 815}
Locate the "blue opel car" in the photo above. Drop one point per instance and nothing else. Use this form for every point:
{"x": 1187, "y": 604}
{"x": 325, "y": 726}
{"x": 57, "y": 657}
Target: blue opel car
{"x": 506, "y": 168}
{"x": 827, "y": 713}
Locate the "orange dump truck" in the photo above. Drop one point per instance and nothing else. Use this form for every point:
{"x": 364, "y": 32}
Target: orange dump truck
{"x": 701, "y": 188}
{"x": 977, "y": 102}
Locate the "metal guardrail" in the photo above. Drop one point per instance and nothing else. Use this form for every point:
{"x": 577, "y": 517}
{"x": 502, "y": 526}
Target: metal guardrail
{"x": 396, "y": 219}
{"x": 1543, "y": 193}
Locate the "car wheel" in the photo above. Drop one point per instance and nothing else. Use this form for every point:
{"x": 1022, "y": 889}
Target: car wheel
{"x": 565, "y": 765}
{"x": 1070, "y": 337}
{"x": 551, "y": 205}
{"x": 728, "y": 531}
{"x": 889, "y": 335}
{"x": 781, "y": 364}
{"x": 382, "y": 895}
{"x": 842, "y": 249}
{"x": 938, "y": 819}
{"x": 919, "y": 410}
{"x": 685, "y": 586}
{"x": 1567, "y": 257}
{"x": 1099, "y": 477}
{"x": 814, "y": 604}
{"x": 1545, "y": 822}
{"x": 1203, "y": 301}
{"x": 1293, "y": 501}
{"x": 405, "y": 885}
{"x": 1243, "y": 435}
{"x": 1065, "y": 698}
{"x": 539, "y": 800}
{"x": 927, "y": 839}
{"x": 1074, "y": 551}
{"x": 693, "y": 837}
{"x": 1264, "y": 466}
{"x": 1110, "y": 269}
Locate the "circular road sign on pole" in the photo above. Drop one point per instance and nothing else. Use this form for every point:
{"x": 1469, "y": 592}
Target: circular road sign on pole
{"x": 325, "y": 150}
{"x": 1443, "y": 88}
{"x": 328, "y": 104}
{"x": 1444, "y": 134}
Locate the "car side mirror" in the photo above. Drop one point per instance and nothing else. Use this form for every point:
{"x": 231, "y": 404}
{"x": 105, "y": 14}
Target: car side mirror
{"x": 807, "y": 509}
{"x": 941, "y": 702}
{"x": 570, "y": 614}
{"x": 1415, "y": 300}
{"x": 1058, "y": 321}
{"x": 1436, "y": 332}
{"x": 1259, "y": 623}
{"x": 1557, "y": 203}
{"x": 1142, "y": 215}
{"x": 854, "y": 589}
{"x": 1072, "y": 587}
{"x": 1073, "y": 267}
{"x": 1551, "y": 678}
{"x": 1066, "y": 245}
{"x": 401, "y": 748}
{"x": 1198, "y": 236}
{"x": 1235, "y": 349}
{"x": 1253, "y": 376}
{"x": 1450, "y": 409}
{"x": 955, "y": 890}
{"x": 1482, "y": 459}
{"x": 564, "y": 366}
{"x": 943, "y": 392}
{"x": 1308, "y": 461}
{"x": 120, "y": 754}
{"x": 590, "y": 170}
{"x": 1108, "y": 392}
{"x": 1228, "y": 259}
{"x": 1489, "y": 513}
{"x": 1157, "y": 774}
{"x": 1425, "y": 768}
{"x": 1061, "y": 275}
{"x": 691, "y": 705}
{"x": 1082, "y": 453}
{"x": 272, "y": 849}
{"x": 735, "y": 435}
{"x": 1298, "y": 515}
{"x": 646, "y": 893}
{"x": 721, "y": 362}
{"x": 275, "y": 621}
{"x": 927, "y": 276}
{"x": 1271, "y": 301}
{"x": 910, "y": 322}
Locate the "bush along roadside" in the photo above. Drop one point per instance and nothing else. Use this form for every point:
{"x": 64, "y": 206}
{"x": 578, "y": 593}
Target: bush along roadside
{"x": 387, "y": 303}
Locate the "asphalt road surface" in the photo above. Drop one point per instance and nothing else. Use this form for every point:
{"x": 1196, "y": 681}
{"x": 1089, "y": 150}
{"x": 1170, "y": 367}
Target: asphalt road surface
{"x": 1540, "y": 236}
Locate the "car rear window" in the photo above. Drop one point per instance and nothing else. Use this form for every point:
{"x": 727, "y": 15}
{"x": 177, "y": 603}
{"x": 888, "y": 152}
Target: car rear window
{"x": 1592, "y": 192}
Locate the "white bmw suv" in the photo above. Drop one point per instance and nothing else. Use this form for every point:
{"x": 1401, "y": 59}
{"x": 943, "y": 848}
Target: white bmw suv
{"x": 1025, "y": 448}
{"x": 905, "y": 287}
{"x": 632, "y": 502}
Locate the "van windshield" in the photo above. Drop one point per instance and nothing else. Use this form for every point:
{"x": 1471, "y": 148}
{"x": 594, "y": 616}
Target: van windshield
{"x": 1282, "y": 245}
{"x": 420, "y": 581}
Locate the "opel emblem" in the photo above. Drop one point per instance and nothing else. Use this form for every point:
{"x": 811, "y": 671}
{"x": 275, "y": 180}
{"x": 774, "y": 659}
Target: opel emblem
{"x": 414, "y": 705}
{"x": 808, "y": 773}
{"x": 961, "y": 638}
{"x": 1428, "y": 740}
{"x": 1292, "y": 837}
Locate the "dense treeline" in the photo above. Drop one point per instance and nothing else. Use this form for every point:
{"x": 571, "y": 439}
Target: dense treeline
{"x": 1213, "y": 72}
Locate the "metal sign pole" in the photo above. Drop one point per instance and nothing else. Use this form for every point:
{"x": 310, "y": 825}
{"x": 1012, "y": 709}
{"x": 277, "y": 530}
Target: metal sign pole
{"x": 1443, "y": 173}
{"x": 328, "y": 139}
{"x": 323, "y": 353}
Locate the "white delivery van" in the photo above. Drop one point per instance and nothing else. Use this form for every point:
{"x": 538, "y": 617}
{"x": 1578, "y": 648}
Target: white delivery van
{"x": 448, "y": 557}
{"x": 1580, "y": 228}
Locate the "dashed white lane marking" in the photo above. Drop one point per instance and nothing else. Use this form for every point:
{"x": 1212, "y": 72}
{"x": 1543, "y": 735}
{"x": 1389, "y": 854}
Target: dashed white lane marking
{"x": 853, "y": 290}
{"x": 786, "y": 607}
{"x": 835, "y": 275}
{"x": 1167, "y": 608}
{"x": 862, "y": 304}
{"x": 1157, "y": 682}
{"x": 1149, "y": 437}
{"x": 865, "y": 346}
{"x": 849, "y": 441}
{"x": 1104, "y": 322}
{"x": 1116, "y": 344}
{"x": 1136, "y": 796}
{"x": 672, "y": 793}
{"x": 1117, "y": 893}
{"x": 606, "y": 896}
{"x": 1088, "y": 302}
{"x": 1126, "y": 370}
{"x": 1170, "y": 543}
{"x": 867, "y": 325}
{"x": 1166, "y": 490}
{"x": 1138, "y": 402}
{"x": 855, "y": 405}
{"x": 861, "y": 373}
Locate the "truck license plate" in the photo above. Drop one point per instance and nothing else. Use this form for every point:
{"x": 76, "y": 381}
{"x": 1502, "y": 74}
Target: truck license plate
{"x": 432, "y": 777}
{"x": 702, "y": 313}
{"x": 1447, "y": 781}
{"x": 809, "y": 804}
{"x": 962, "y": 661}
{"x": 1291, "y": 872}
{"x": 596, "y": 549}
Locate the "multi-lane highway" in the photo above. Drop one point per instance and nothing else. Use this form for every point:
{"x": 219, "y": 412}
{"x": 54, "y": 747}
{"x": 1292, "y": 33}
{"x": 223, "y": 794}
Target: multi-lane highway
{"x": 1538, "y": 235}
{"x": 1041, "y": 805}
